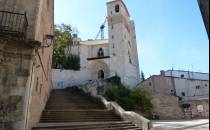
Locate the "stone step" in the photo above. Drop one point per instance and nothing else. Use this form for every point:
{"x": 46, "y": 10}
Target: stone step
{"x": 79, "y": 120}
{"x": 73, "y": 110}
{"x": 90, "y": 126}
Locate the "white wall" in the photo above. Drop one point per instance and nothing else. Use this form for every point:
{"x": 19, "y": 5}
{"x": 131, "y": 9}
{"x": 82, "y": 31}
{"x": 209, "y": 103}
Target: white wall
{"x": 187, "y": 74}
{"x": 189, "y": 88}
{"x": 95, "y": 49}
{"x": 68, "y": 78}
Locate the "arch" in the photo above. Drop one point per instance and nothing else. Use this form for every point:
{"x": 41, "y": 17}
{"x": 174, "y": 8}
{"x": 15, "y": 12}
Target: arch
{"x": 117, "y": 8}
{"x": 96, "y": 66}
{"x": 100, "y": 52}
{"x": 101, "y": 74}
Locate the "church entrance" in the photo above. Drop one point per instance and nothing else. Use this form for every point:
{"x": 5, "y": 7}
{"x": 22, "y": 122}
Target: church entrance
{"x": 100, "y": 74}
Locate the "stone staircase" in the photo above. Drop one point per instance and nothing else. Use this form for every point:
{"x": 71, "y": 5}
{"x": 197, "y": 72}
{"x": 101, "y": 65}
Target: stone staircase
{"x": 71, "y": 109}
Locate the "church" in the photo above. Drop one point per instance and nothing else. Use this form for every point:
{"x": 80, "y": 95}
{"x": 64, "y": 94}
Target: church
{"x": 101, "y": 59}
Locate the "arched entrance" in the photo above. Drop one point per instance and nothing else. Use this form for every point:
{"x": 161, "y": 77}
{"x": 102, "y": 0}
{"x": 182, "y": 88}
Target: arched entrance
{"x": 100, "y": 74}
{"x": 99, "y": 70}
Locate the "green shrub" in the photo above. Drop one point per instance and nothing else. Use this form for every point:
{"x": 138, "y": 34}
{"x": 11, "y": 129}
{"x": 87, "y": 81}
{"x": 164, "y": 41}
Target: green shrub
{"x": 127, "y": 98}
{"x": 111, "y": 95}
{"x": 115, "y": 80}
{"x": 72, "y": 62}
{"x": 127, "y": 103}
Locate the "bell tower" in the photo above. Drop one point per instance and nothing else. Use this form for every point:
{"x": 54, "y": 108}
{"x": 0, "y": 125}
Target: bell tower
{"x": 123, "y": 48}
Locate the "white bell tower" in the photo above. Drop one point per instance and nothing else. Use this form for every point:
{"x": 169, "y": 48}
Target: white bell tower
{"x": 123, "y": 49}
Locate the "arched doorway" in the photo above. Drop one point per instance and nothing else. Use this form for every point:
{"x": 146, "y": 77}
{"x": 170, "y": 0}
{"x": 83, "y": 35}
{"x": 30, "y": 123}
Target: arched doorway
{"x": 100, "y": 74}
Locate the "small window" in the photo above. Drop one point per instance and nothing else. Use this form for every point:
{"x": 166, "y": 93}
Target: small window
{"x": 206, "y": 85}
{"x": 37, "y": 84}
{"x": 112, "y": 36}
{"x": 130, "y": 61}
{"x": 117, "y": 8}
{"x": 182, "y": 76}
{"x": 200, "y": 108}
{"x": 183, "y": 94}
{"x": 113, "y": 45}
{"x": 150, "y": 84}
{"x": 112, "y": 27}
{"x": 100, "y": 52}
{"x": 129, "y": 43}
{"x": 198, "y": 87}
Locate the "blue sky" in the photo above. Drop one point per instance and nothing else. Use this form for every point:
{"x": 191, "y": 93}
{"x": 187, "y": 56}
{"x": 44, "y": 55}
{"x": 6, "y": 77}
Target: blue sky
{"x": 170, "y": 33}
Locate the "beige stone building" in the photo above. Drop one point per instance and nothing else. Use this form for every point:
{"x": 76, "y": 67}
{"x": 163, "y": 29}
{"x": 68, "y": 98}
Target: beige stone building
{"x": 175, "y": 95}
{"x": 26, "y": 38}
{"x": 116, "y": 55}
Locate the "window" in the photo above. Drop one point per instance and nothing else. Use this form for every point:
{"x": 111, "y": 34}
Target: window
{"x": 112, "y": 27}
{"x": 100, "y": 52}
{"x": 37, "y": 84}
{"x": 117, "y": 8}
{"x": 200, "y": 108}
{"x": 112, "y": 36}
{"x": 182, "y": 76}
{"x": 150, "y": 84}
{"x": 129, "y": 56}
{"x": 129, "y": 43}
{"x": 198, "y": 87}
{"x": 113, "y": 45}
{"x": 183, "y": 94}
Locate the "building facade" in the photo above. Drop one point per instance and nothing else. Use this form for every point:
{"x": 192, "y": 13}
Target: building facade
{"x": 179, "y": 88}
{"x": 26, "y": 38}
{"x": 186, "y": 74}
{"x": 106, "y": 58}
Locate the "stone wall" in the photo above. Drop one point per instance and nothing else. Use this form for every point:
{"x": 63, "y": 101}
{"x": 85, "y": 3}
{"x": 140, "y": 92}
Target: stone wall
{"x": 15, "y": 81}
{"x": 25, "y": 70}
{"x": 197, "y": 109}
{"x": 42, "y": 63}
{"x": 22, "y": 6}
{"x": 166, "y": 107}
{"x": 163, "y": 91}
{"x": 159, "y": 85}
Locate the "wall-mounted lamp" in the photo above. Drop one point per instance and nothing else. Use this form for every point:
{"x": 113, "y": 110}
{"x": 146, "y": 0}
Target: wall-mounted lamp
{"x": 49, "y": 40}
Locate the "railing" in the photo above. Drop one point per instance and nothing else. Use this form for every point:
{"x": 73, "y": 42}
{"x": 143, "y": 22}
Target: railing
{"x": 133, "y": 117}
{"x": 13, "y": 24}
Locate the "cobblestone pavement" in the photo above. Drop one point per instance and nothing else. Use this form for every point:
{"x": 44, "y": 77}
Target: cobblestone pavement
{"x": 174, "y": 124}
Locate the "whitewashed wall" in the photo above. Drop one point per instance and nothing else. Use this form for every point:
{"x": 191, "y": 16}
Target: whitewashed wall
{"x": 189, "y": 88}
{"x": 187, "y": 74}
{"x": 68, "y": 78}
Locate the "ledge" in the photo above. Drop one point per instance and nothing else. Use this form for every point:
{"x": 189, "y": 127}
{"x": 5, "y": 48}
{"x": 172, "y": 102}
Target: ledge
{"x": 96, "y": 58}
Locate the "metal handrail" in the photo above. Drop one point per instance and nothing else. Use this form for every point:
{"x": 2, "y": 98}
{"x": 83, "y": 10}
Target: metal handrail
{"x": 12, "y": 22}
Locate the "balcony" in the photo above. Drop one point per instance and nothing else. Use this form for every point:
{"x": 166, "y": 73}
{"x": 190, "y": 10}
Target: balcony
{"x": 13, "y": 25}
